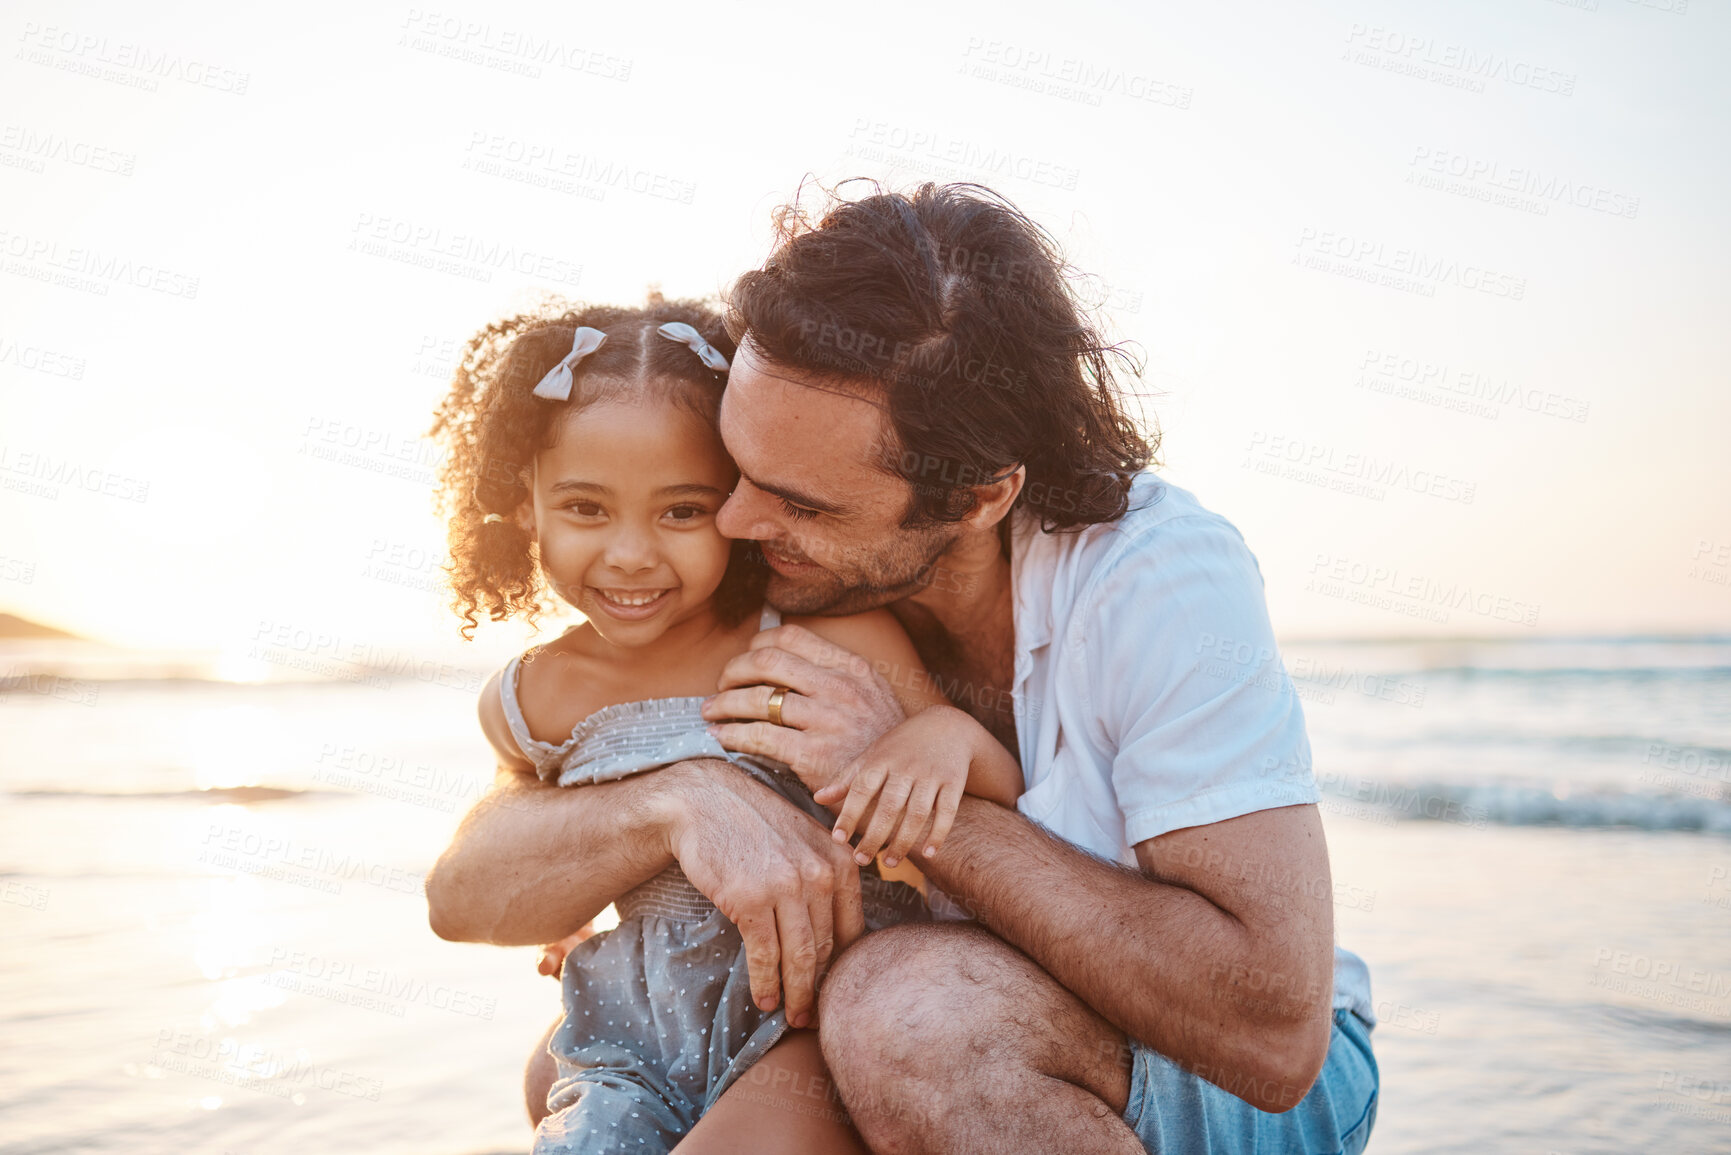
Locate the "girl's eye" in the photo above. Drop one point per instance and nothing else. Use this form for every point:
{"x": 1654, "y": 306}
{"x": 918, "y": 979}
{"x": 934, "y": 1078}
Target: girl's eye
{"x": 686, "y": 512}
{"x": 583, "y": 508}
{"x": 797, "y": 512}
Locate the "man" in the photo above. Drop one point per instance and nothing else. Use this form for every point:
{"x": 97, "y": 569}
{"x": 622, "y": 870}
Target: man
{"x": 923, "y": 421}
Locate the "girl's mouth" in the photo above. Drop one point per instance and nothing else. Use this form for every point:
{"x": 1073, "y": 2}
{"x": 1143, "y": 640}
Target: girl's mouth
{"x": 631, "y": 605}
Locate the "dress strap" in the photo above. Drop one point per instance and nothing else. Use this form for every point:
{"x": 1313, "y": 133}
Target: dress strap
{"x": 514, "y": 712}
{"x": 771, "y": 618}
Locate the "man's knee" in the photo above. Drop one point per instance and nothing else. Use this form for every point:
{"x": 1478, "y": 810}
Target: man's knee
{"x": 902, "y": 987}
{"x": 918, "y": 1002}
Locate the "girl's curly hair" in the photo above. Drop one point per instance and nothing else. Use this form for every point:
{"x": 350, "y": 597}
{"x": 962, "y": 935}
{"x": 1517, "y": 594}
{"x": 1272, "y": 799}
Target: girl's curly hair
{"x": 492, "y": 425}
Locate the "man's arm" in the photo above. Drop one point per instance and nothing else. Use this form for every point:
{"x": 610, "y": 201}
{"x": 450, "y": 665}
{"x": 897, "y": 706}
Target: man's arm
{"x": 1218, "y": 953}
{"x": 531, "y": 863}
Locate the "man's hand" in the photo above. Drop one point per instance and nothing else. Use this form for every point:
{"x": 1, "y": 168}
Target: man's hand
{"x": 836, "y": 705}
{"x": 793, "y": 892}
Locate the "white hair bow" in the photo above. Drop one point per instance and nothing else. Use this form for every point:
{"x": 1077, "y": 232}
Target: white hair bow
{"x": 556, "y": 385}
{"x": 686, "y": 335}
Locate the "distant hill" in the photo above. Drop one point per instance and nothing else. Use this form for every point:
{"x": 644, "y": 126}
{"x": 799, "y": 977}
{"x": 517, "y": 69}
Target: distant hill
{"x": 13, "y": 626}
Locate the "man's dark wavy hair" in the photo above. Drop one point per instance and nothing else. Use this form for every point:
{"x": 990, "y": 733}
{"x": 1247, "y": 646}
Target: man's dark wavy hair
{"x": 959, "y": 314}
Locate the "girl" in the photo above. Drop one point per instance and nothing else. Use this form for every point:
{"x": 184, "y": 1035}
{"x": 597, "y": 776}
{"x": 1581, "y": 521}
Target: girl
{"x": 584, "y": 458}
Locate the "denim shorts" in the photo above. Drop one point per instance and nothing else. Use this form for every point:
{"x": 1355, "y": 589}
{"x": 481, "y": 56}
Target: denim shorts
{"x": 1172, "y": 1110}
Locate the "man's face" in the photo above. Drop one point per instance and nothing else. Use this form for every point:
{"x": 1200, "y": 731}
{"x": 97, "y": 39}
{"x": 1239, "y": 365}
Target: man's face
{"x": 812, "y": 491}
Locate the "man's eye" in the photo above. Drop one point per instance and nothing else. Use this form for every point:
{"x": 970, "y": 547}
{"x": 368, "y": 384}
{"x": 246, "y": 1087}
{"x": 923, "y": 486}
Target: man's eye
{"x": 797, "y": 512}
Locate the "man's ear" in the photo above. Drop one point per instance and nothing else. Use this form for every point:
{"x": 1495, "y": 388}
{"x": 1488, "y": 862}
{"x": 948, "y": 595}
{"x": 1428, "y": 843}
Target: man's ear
{"x": 992, "y": 503}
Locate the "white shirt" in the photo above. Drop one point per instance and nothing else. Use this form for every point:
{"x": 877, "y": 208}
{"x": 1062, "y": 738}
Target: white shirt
{"x": 1149, "y": 693}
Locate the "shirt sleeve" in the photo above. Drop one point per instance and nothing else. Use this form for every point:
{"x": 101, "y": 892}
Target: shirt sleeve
{"x": 1187, "y": 684}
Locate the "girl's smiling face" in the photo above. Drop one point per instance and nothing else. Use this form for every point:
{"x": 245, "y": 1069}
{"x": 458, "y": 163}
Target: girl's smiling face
{"x": 623, "y": 508}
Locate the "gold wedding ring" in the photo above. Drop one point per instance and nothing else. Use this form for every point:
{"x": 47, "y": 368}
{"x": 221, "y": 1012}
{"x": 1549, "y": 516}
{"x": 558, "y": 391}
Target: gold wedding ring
{"x": 776, "y": 697}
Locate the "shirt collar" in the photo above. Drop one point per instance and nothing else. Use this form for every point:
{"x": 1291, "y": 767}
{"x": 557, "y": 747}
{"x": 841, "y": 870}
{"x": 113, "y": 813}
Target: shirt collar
{"x": 1035, "y": 558}
{"x": 1030, "y": 585}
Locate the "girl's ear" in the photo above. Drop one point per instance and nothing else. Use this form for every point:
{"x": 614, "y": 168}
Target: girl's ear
{"x": 526, "y": 509}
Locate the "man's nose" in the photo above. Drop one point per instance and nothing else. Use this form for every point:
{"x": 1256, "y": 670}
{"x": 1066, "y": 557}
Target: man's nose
{"x": 740, "y": 517}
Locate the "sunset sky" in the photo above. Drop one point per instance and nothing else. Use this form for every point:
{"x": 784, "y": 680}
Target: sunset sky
{"x": 1431, "y": 296}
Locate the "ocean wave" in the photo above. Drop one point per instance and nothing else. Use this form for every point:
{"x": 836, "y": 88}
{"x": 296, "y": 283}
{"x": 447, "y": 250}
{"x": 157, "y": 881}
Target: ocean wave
{"x": 1511, "y": 804}
{"x": 245, "y": 795}
{"x": 1636, "y": 659}
{"x": 1655, "y": 1020}
{"x": 1572, "y": 673}
{"x": 45, "y": 679}
{"x": 1556, "y": 742}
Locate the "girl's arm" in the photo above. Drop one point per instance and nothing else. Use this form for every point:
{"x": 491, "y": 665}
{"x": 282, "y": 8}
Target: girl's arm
{"x": 498, "y": 731}
{"x": 904, "y": 796}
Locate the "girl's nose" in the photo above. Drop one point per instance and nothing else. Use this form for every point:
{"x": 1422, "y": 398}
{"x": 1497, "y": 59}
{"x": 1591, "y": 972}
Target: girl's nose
{"x": 630, "y": 551}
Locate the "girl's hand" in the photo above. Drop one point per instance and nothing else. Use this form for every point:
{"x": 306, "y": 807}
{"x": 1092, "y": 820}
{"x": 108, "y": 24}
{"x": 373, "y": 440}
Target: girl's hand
{"x": 552, "y": 959}
{"x": 915, "y": 775}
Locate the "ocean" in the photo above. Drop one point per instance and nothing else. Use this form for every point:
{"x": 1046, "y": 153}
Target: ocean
{"x": 215, "y": 938}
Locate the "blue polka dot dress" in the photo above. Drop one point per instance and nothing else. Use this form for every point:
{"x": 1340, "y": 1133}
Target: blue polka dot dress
{"x": 659, "y": 1019}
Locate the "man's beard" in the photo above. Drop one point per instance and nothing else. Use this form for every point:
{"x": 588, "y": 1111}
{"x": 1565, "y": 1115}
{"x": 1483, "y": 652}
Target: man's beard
{"x": 875, "y": 580}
